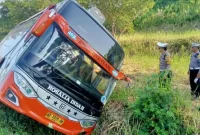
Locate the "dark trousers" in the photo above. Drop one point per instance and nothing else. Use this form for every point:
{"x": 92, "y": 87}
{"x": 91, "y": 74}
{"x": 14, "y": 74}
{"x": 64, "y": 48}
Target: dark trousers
{"x": 195, "y": 88}
{"x": 165, "y": 78}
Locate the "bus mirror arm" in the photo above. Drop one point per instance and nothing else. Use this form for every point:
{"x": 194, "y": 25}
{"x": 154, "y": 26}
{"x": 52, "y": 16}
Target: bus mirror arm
{"x": 44, "y": 22}
{"x": 122, "y": 76}
{"x": 127, "y": 79}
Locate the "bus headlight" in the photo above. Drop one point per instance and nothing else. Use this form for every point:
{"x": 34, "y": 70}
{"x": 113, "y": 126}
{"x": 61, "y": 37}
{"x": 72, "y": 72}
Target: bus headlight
{"x": 87, "y": 124}
{"x": 23, "y": 85}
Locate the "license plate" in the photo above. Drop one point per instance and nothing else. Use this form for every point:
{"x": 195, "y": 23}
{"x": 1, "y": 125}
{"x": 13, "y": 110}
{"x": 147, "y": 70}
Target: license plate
{"x": 54, "y": 118}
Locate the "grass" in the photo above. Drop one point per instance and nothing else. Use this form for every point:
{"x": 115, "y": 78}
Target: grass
{"x": 142, "y": 58}
{"x": 116, "y": 118}
{"x": 150, "y": 64}
{"x": 138, "y": 38}
{"x": 13, "y": 123}
{"x": 142, "y": 54}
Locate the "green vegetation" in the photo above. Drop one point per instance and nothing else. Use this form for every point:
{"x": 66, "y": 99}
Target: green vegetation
{"x": 144, "y": 108}
{"x": 119, "y": 14}
{"x": 122, "y": 16}
{"x": 12, "y": 12}
{"x": 142, "y": 53}
{"x": 171, "y": 15}
{"x": 12, "y": 123}
{"x": 147, "y": 109}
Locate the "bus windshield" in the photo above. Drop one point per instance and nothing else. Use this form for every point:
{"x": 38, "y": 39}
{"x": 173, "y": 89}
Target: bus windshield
{"x": 55, "y": 55}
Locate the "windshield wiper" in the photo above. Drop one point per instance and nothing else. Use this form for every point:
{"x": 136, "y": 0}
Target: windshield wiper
{"x": 39, "y": 77}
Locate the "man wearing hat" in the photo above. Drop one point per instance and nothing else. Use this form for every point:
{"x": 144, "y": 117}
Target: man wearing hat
{"x": 194, "y": 70}
{"x": 165, "y": 64}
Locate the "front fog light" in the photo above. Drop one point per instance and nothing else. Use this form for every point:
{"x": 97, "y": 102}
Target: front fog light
{"x": 87, "y": 124}
{"x": 10, "y": 96}
{"x": 23, "y": 85}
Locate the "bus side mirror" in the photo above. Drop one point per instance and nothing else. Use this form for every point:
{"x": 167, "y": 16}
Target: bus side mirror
{"x": 97, "y": 14}
{"x": 45, "y": 20}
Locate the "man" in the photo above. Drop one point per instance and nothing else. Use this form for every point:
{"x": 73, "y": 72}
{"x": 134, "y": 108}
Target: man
{"x": 194, "y": 72}
{"x": 165, "y": 64}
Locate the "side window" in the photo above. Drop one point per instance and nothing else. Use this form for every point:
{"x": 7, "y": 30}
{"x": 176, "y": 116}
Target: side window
{"x": 15, "y": 36}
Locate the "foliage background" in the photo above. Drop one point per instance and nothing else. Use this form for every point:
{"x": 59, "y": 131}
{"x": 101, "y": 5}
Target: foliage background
{"x": 123, "y": 16}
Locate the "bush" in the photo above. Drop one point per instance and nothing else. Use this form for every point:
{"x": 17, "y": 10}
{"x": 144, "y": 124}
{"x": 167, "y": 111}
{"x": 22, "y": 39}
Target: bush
{"x": 160, "y": 111}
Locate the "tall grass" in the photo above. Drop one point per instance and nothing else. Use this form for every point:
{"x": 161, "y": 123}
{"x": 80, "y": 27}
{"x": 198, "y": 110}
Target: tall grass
{"x": 145, "y": 43}
{"x": 142, "y": 54}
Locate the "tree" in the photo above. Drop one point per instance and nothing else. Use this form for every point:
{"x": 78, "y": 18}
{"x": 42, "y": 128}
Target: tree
{"x": 120, "y": 13}
{"x": 20, "y": 10}
{"x": 13, "y": 12}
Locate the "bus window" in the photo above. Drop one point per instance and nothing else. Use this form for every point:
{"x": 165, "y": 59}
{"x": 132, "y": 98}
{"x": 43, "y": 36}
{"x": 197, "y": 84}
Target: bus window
{"x": 15, "y": 36}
